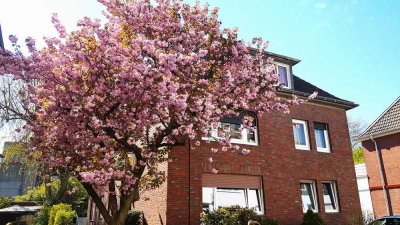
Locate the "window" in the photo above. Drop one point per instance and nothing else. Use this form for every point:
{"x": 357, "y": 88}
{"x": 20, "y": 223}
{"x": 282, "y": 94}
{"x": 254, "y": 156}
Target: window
{"x": 308, "y": 196}
{"x": 283, "y": 71}
{"x": 225, "y": 190}
{"x": 322, "y": 137}
{"x": 218, "y": 197}
{"x": 233, "y": 127}
{"x": 300, "y": 133}
{"x": 330, "y": 197}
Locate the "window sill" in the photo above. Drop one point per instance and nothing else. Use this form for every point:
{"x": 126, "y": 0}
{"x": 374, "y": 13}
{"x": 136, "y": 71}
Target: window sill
{"x": 233, "y": 141}
{"x": 324, "y": 150}
{"x": 302, "y": 147}
{"x": 314, "y": 211}
{"x": 332, "y": 212}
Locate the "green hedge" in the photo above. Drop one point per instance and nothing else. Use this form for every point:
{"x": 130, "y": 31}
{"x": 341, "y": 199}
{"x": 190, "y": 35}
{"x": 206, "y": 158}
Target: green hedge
{"x": 311, "y": 218}
{"x": 134, "y": 218}
{"x": 42, "y": 216}
{"x": 234, "y": 215}
{"x": 55, "y": 209}
{"x": 5, "y": 202}
{"x": 65, "y": 217}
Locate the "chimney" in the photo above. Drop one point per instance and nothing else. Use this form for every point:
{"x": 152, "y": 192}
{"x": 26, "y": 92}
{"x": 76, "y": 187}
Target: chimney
{"x": 1, "y": 39}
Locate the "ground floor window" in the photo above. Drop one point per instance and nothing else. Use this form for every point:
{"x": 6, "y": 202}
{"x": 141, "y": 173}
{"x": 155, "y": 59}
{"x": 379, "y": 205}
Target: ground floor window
{"x": 330, "y": 197}
{"x": 218, "y": 197}
{"x": 308, "y": 196}
{"x": 225, "y": 190}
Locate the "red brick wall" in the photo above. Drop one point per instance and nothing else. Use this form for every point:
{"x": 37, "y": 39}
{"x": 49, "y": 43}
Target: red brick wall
{"x": 280, "y": 165}
{"x": 153, "y": 203}
{"x": 389, "y": 147}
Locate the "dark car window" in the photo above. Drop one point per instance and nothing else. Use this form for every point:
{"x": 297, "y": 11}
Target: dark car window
{"x": 379, "y": 222}
{"x": 392, "y": 221}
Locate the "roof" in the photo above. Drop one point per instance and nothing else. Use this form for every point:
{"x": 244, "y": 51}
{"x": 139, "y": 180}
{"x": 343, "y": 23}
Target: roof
{"x": 304, "y": 88}
{"x": 387, "y": 123}
{"x": 20, "y": 209}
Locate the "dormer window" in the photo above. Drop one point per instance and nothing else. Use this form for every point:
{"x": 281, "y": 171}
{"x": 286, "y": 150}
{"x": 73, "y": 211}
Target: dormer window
{"x": 283, "y": 71}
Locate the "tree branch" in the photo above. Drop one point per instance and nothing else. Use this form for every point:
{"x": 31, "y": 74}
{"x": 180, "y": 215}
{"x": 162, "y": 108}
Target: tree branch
{"x": 99, "y": 203}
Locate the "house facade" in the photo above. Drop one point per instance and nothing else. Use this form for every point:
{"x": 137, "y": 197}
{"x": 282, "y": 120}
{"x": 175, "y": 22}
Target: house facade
{"x": 298, "y": 161}
{"x": 381, "y": 149}
{"x": 15, "y": 179}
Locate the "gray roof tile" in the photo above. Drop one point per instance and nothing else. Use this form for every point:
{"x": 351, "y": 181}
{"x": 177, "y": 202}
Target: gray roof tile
{"x": 388, "y": 121}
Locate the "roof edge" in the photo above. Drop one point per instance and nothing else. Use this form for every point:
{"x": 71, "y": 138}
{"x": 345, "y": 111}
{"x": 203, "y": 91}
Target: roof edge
{"x": 376, "y": 120}
{"x": 345, "y": 104}
{"x": 365, "y": 138}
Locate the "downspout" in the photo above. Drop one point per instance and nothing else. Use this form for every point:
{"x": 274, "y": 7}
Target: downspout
{"x": 378, "y": 156}
{"x": 190, "y": 149}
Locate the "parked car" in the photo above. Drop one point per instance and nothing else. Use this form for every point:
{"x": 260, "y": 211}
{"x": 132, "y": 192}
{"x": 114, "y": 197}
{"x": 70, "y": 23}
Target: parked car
{"x": 387, "y": 220}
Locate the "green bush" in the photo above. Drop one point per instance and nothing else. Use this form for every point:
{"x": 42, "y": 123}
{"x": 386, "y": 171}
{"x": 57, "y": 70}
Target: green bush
{"x": 134, "y": 218}
{"x": 78, "y": 199}
{"x": 42, "y": 216}
{"x": 65, "y": 217}
{"x": 358, "y": 156}
{"x": 5, "y": 202}
{"x": 269, "y": 222}
{"x": 55, "y": 209}
{"x": 234, "y": 215}
{"x": 311, "y": 218}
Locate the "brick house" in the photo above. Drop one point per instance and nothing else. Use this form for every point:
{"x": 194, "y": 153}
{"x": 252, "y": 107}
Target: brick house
{"x": 381, "y": 149}
{"x": 298, "y": 161}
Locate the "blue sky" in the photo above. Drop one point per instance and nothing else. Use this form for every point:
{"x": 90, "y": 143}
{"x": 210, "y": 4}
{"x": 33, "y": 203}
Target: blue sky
{"x": 349, "y": 48}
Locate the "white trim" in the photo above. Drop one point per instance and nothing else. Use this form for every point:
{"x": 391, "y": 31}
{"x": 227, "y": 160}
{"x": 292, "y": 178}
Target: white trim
{"x": 307, "y": 145}
{"x": 246, "y": 191}
{"x": 288, "y": 74}
{"x": 314, "y": 194}
{"x": 326, "y": 137}
{"x": 335, "y": 196}
{"x": 243, "y": 141}
{"x": 375, "y": 121}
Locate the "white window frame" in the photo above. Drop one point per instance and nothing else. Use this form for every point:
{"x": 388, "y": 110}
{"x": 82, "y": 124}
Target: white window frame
{"x": 214, "y": 136}
{"x": 335, "y": 196}
{"x": 326, "y": 136}
{"x": 288, "y": 74}
{"x": 246, "y": 196}
{"x": 307, "y": 145}
{"x": 314, "y": 193}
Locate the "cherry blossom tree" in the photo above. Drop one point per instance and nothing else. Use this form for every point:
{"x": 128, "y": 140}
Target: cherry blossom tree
{"x": 109, "y": 100}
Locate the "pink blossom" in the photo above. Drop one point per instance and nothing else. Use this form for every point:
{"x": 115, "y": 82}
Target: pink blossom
{"x": 107, "y": 91}
{"x": 215, "y": 171}
{"x": 245, "y": 151}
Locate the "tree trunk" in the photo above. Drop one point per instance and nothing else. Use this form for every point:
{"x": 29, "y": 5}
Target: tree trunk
{"x": 63, "y": 188}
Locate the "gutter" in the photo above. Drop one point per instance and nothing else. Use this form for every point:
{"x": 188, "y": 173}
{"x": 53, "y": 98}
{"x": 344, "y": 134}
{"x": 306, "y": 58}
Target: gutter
{"x": 343, "y": 103}
{"x": 365, "y": 138}
{"x": 378, "y": 156}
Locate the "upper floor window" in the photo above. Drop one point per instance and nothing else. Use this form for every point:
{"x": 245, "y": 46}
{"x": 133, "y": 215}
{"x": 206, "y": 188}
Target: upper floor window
{"x": 300, "y": 133}
{"x": 308, "y": 196}
{"x": 330, "y": 197}
{"x": 233, "y": 127}
{"x": 283, "y": 71}
{"x": 322, "y": 137}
